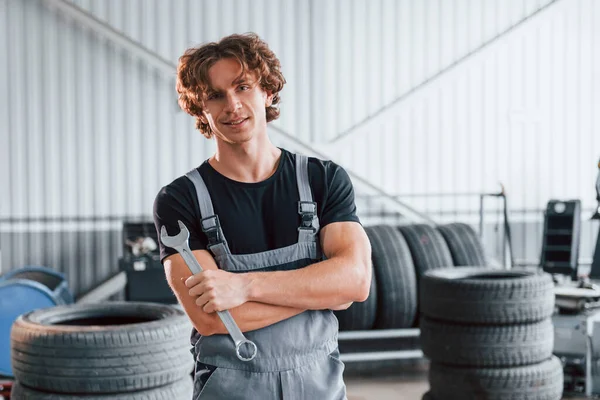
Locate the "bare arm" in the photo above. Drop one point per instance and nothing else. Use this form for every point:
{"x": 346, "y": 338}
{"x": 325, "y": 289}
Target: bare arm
{"x": 343, "y": 278}
{"x": 249, "y": 316}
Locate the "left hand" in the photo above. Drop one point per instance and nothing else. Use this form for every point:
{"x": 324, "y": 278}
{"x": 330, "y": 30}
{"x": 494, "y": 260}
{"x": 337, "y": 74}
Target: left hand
{"x": 218, "y": 290}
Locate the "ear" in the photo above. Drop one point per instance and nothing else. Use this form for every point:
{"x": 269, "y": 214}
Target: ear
{"x": 268, "y": 98}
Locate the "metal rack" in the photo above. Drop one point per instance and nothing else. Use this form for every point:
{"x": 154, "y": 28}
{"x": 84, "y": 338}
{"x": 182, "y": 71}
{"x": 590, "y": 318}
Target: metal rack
{"x": 505, "y": 255}
{"x": 380, "y": 355}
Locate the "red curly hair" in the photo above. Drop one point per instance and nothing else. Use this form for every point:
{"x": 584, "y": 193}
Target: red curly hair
{"x": 249, "y": 50}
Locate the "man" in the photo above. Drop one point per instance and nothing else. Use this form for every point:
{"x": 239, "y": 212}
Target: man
{"x": 276, "y": 234}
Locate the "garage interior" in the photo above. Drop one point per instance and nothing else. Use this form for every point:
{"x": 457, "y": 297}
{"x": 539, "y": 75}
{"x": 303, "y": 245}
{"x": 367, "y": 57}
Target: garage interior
{"x": 469, "y": 129}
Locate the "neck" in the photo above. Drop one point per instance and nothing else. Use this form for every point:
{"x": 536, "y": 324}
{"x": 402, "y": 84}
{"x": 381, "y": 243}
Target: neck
{"x": 250, "y": 162}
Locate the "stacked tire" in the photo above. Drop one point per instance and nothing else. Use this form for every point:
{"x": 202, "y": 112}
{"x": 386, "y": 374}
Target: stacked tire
{"x": 465, "y": 246}
{"x": 489, "y": 335}
{"x": 117, "y": 350}
{"x": 392, "y": 301}
{"x": 400, "y": 256}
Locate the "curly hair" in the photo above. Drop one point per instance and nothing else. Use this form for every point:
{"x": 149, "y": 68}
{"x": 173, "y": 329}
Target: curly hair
{"x": 249, "y": 50}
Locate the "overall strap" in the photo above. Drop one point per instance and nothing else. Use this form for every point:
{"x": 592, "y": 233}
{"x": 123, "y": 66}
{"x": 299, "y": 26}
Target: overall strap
{"x": 307, "y": 208}
{"x": 210, "y": 222}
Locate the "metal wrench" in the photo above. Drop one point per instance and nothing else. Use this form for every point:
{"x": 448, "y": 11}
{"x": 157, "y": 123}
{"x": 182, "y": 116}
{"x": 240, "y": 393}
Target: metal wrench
{"x": 179, "y": 242}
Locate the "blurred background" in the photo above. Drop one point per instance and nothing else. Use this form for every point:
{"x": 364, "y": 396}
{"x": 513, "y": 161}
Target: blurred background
{"x": 446, "y": 110}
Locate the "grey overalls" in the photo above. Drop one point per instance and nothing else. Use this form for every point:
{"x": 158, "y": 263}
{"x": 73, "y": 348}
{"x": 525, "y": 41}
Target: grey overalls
{"x": 297, "y": 358}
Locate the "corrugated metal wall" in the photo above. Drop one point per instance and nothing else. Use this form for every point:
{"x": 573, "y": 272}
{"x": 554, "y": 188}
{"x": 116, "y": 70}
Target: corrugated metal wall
{"x": 520, "y": 111}
{"x": 88, "y": 133}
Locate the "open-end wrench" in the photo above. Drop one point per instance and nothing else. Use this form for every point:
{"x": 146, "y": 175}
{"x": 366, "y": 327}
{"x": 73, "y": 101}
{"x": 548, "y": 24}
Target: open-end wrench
{"x": 179, "y": 242}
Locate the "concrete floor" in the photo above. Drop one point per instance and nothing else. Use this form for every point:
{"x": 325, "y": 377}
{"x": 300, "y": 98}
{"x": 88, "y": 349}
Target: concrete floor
{"x": 405, "y": 383}
{"x": 387, "y": 388}
{"x": 401, "y": 387}
{"x": 396, "y": 381}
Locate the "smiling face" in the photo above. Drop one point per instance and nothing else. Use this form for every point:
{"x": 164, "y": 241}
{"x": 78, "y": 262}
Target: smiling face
{"x": 235, "y": 104}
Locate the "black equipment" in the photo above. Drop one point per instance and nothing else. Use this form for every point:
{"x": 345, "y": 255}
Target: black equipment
{"x": 146, "y": 279}
{"x": 562, "y": 229}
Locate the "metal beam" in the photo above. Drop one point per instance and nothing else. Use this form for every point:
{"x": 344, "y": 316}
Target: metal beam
{"x": 105, "y": 290}
{"x": 103, "y": 29}
{"x": 379, "y": 334}
{"x": 424, "y": 88}
{"x": 382, "y": 355}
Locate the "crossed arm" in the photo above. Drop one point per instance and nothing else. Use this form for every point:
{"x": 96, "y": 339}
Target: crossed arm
{"x": 259, "y": 299}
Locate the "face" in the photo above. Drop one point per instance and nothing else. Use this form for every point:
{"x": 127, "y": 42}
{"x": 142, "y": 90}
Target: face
{"x": 234, "y": 106}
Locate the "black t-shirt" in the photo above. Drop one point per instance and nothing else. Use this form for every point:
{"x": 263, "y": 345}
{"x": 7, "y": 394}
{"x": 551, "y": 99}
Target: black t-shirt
{"x": 255, "y": 217}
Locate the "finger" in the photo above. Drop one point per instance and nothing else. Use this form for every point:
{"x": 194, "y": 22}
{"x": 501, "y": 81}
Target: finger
{"x": 194, "y": 280}
{"x": 195, "y": 292}
{"x": 209, "y": 307}
{"x": 212, "y": 306}
{"x": 201, "y": 288}
{"x": 200, "y": 302}
{"x": 205, "y": 298}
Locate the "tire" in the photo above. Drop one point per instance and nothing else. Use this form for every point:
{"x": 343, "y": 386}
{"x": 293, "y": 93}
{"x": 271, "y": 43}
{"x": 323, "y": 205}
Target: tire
{"x": 486, "y": 296}
{"x": 464, "y": 245}
{"x": 487, "y": 346}
{"x": 428, "y": 248}
{"x": 543, "y": 381}
{"x": 101, "y": 348}
{"x": 395, "y": 275}
{"x": 360, "y": 316}
{"x": 182, "y": 389}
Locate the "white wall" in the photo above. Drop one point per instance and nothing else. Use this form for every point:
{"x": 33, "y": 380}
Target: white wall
{"x": 521, "y": 111}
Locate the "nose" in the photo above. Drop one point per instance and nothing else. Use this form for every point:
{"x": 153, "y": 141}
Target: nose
{"x": 233, "y": 102}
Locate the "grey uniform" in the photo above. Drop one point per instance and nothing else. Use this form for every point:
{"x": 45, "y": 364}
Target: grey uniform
{"x": 297, "y": 358}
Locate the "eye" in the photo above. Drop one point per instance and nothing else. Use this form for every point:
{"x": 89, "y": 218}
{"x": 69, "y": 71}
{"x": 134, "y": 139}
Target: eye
{"x": 213, "y": 96}
{"x": 244, "y": 87}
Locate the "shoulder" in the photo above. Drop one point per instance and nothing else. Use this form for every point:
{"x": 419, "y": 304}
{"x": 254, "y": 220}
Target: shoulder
{"x": 328, "y": 171}
{"x": 175, "y": 191}
{"x": 332, "y": 190}
{"x": 177, "y": 197}
{"x": 177, "y": 202}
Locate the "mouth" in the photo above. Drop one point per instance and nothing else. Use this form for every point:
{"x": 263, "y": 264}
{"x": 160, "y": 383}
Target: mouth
{"x": 236, "y": 122}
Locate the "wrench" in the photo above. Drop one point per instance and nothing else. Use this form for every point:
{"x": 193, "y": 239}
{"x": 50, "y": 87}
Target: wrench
{"x": 179, "y": 242}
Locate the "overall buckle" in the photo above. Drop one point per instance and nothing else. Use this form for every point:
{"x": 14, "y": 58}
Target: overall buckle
{"x": 212, "y": 228}
{"x": 307, "y": 211}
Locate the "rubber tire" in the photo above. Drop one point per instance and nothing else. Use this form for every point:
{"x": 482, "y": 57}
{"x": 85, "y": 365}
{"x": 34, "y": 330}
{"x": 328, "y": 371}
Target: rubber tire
{"x": 396, "y": 280}
{"x": 428, "y": 248}
{"x": 475, "y": 295}
{"x": 464, "y": 244}
{"x": 181, "y": 389}
{"x": 360, "y": 315}
{"x": 102, "y": 358}
{"x": 487, "y": 346}
{"x": 542, "y": 381}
